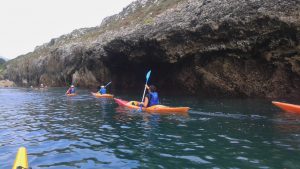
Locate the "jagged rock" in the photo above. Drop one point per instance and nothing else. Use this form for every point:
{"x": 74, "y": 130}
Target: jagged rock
{"x": 235, "y": 48}
{"x": 2, "y": 61}
{"x": 7, "y": 83}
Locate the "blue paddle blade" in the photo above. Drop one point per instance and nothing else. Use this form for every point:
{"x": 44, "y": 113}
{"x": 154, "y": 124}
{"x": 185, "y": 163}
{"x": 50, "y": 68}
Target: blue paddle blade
{"x": 148, "y": 76}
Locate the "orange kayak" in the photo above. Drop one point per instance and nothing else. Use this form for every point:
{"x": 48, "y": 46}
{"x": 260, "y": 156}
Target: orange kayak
{"x": 70, "y": 95}
{"x": 287, "y": 107}
{"x": 152, "y": 109}
{"x": 98, "y": 95}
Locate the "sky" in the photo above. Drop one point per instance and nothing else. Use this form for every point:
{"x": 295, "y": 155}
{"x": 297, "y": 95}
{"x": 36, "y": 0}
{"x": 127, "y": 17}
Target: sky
{"x": 25, "y": 24}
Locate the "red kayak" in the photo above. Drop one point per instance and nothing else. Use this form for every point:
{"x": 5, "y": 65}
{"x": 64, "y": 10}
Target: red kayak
{"x": 288, "y": 107}
{"x": 152, "y": 109}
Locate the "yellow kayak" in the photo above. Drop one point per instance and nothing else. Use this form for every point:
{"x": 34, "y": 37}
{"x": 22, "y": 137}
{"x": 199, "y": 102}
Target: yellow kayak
{"x": 98, "y": 95}
{"x": 21, "y": 160}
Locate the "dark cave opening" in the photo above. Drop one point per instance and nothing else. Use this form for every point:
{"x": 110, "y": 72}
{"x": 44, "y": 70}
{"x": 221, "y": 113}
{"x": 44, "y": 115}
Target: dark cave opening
{"x": 129, "y": 62}
{"x": 132, "y": 76}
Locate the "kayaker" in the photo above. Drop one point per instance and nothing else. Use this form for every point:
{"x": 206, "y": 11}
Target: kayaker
{"x": 151, "y": 98}
{"x": 102, "y": 90}
{"x": 71, "y": 90}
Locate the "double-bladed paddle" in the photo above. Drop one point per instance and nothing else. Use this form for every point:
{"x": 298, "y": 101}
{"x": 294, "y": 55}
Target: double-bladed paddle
{"x": 147, "y": 79}
{"x": 107, "y": 84}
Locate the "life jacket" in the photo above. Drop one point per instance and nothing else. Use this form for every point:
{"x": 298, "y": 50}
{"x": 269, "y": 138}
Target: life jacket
{"x": 102, "y": 91}
{"x": 72, "y": 90}
{"x": 153, "y": 100}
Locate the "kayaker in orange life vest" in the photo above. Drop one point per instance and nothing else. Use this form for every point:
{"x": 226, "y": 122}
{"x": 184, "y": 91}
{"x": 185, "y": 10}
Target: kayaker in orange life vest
{"x": 151, "y": 98}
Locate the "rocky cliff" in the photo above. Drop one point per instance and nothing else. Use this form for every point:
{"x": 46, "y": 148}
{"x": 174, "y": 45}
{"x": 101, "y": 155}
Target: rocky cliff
{"x": 2, "y": 61}
{"x": 2, "y": 67}
{"x": 215, "y": 47}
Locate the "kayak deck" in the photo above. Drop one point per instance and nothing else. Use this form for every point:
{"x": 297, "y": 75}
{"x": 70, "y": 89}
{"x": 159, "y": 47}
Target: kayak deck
{"x": 152, "y": 109}
{"x": 21, "y": 160}
{"x": 287, "y": 107}
{"x": 98, "y": 95}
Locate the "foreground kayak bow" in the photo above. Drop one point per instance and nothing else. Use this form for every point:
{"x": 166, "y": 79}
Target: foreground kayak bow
{"x": 21, "y": 161}
{"x": 155, "y": 109}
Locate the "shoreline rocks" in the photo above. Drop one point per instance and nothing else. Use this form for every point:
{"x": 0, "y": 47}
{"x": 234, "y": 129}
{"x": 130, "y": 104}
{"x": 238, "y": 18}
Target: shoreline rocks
{"x": 7, "y": 83}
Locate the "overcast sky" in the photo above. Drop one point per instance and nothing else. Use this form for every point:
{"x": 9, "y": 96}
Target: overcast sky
{"x": 25, "y": 24}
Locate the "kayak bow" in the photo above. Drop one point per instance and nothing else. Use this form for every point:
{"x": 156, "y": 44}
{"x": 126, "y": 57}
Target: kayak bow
{"x": 153, "y": 109}
{"x": 70, "y": 95}
{"x": 21, "y": 160}
{"x": 287, "y": 107}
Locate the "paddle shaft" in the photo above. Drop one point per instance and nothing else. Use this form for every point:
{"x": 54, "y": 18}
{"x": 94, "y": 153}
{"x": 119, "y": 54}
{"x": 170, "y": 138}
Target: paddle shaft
{"x": 144, "y": 93}
{"x": 67, "y": 84}
{"x": 108, "y": 84}
{"x": 147, "y": 78}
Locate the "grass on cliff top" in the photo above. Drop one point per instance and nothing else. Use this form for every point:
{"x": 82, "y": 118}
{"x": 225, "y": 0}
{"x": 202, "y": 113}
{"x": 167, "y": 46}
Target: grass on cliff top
{"x": 143, "y": 15}
{"x": 2, "y": 68}
{"x": 31, "y": 55}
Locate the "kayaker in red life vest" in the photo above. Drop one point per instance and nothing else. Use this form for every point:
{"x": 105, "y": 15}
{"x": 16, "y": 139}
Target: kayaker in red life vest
{"x": 151, "y": 98}
{"x": 71, "y": 90}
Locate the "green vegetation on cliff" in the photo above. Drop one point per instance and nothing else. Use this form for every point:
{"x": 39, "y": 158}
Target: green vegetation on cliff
{"x": 2, "y": 61}
{"x": 2, "y": 67}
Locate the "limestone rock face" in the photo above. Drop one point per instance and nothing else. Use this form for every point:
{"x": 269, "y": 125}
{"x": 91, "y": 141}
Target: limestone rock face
{"x": 215, "y": 47}
{"x": 2, "y": 61}
{"x": 7, "y": 83}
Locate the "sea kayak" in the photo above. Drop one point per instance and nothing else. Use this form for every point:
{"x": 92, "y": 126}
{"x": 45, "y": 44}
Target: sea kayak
{"x": 21, "y": 160}
{"x": 98, "y": 95}
{"x": 152, "y": 109}
{"x": 70, "y": 95}
{"x": 287, "y": 107}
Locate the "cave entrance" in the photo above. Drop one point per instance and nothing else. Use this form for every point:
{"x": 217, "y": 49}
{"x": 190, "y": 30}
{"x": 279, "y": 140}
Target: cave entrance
{"x": 131, "y": 75}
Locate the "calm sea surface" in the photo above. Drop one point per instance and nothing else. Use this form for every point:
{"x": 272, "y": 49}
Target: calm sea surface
{"x": 85, "y": 132}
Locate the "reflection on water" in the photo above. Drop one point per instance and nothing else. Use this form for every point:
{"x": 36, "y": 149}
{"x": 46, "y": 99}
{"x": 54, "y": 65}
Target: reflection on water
{"x": 86, "y": 132}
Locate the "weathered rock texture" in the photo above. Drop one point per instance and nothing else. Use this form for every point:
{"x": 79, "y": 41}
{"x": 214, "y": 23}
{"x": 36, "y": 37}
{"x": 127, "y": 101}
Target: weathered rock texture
{"x": 6, "y": 83}
{"x": 217, "y": 47}
{"x": 2, "y": 67}
{"x": 2, "y": 61}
